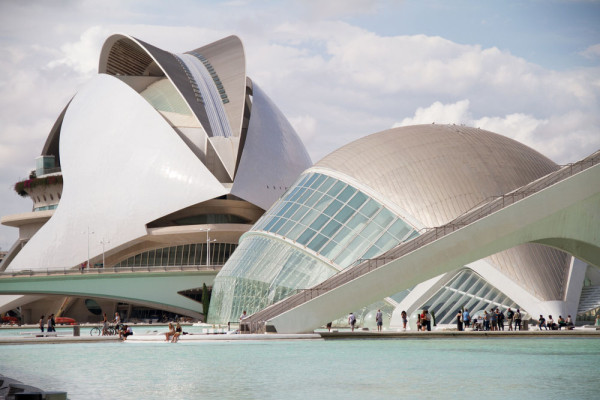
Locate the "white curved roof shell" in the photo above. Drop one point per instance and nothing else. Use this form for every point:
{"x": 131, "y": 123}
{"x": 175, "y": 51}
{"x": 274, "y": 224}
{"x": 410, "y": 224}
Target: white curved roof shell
{"x": 437, "y": 172}
{"x": 123, "y": 166}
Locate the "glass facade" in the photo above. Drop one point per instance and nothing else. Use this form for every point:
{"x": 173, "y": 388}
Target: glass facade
{"x": 466, "y": 290}
{"x": 327, "y": 221}
{"x": 175, "y": 256}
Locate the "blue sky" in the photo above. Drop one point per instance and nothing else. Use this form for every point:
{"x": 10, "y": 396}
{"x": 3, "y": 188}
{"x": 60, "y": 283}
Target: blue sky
{"x": 338, "y": 69}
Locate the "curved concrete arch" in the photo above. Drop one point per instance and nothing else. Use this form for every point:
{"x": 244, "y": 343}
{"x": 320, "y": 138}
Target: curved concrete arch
{"x": 168, "y": 63}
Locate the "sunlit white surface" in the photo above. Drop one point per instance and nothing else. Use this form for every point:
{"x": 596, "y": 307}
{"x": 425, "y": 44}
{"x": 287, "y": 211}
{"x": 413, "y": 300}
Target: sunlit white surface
{"x": 273, "y": 155}
{"x": 123, "y": 166}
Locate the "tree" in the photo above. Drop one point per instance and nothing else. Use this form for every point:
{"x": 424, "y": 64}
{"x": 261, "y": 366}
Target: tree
{"x": 206, "y": 292}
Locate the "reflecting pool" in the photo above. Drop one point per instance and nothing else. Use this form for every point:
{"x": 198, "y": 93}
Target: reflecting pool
{"x": 481, "y": 368}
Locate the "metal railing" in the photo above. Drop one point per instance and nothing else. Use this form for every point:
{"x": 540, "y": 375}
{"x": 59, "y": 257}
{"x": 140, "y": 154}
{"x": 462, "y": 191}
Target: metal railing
{"x": 109, "y": 270}
{"x": 257, "y": 321}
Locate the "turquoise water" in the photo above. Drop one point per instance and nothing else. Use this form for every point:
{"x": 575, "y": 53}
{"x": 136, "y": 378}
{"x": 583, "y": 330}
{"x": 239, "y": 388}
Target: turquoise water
{"x": 488, "y": 368}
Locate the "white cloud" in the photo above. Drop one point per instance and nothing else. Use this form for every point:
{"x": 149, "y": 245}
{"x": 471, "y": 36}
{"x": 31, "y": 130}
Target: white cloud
{"x": 592, "y": 52}
{"x": 334, "y": 80}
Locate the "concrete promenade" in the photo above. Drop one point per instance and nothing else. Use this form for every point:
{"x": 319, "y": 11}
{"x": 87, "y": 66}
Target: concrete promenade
{"x": 590, "y": 332}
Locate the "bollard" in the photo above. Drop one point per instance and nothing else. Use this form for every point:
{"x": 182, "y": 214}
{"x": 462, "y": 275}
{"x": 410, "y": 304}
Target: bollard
{"x": 76, "y": 330}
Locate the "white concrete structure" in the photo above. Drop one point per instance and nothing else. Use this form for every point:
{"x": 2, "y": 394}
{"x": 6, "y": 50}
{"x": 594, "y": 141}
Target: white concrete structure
{"x": 564, "y": 215}
{"x": 165, "y": 159}
{"x": 370, "y": 195}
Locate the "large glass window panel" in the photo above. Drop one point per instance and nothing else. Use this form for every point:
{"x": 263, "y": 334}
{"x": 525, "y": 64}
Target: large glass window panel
{"x": 290, "y": 210}
{"x": 332, "y": 208}
{"x": 317, "y": 182}
{"x": 304, "y": 196}
{"x": 384, "y": 218}
{"x": 372, "y": 252}
{"x": 399, "y": 229}
{"x": 299, "y": 193}
{"x": 304, "y": 214}
{"x": 310, "y": 216}
{"x": 277, "y": 225}
{"x": 344, "y": 214}
{"x": 326, "y": 185}
{"x": 319, "y": 222}
{"x": 310, "y": 180}
{"x": 386, "y": 242}
{"x": 286, "y": 228}
{"x": 331, "y": 250}
{"x": 371, "y": 231}
{"x": 358, "y": 200}
{"x": 271, "y": 223}
{"x": 345, "y": 195}
{"x": 335, "y": 189}
{"x": 306, "y": 236}
{"x": 291, "y": 194}
{"x": 344, "y": 236}
{"x": 284, "y": 209}
{"x": 313, "y": 199}
{"x": 331, "y": 228}
{"x": 357, "y": 222}
{"x": 370, "y": 208}
{"x": 317, "y": 242}
{"x": 296, "y": 231}
{"x": 323, "y": 202}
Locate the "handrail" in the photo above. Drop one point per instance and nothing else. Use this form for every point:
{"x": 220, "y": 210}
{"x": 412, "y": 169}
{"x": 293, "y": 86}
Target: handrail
{"x": 258, "y": 320}
{"x": 108, "y": 270}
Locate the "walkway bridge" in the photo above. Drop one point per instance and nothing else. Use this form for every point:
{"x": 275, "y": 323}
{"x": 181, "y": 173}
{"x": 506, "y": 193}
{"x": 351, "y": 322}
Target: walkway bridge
{"x": 155, "y": 287}
{"x": 561, "y": 210}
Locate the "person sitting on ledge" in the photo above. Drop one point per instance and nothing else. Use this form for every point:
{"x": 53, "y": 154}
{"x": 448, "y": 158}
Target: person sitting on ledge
{"x": 570, "y": 325}
{"x": 561, "y": 322}
{"x": 542, "y": 322}
{"x": 170, "y": 333}
{"x": 550, "y": 323}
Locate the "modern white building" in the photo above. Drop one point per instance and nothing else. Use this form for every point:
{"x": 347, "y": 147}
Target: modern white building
{"x": 160, "y": 160}
{"x": 387, "y": 188}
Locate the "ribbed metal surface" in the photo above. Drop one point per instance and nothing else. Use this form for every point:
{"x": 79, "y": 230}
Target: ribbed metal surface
{"x": 438, "y": 172}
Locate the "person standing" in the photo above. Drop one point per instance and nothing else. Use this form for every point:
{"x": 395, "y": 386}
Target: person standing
{"x": 117, "y": 320}
{"x": 459, "y": 321}
{"x": 104, "y": 324}
{"x": 510, "y": 315}
{"x": 427, "y": 320}
{"x": 379, "y": 320}
{"x": 352, "y": 321}
{"x": 500, "y": 319}
{"x": 486, "y": 321}
{"x": 494, "y": 320}
{"x": 404, "y": 320}
{"x": 466, "y": 318}
{"x": 518, "y": 319}
{"x": 41, "y": 323}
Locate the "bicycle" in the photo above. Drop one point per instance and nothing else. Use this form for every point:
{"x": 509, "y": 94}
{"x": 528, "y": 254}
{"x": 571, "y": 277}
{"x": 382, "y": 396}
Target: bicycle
{"x": 111, "y": 330}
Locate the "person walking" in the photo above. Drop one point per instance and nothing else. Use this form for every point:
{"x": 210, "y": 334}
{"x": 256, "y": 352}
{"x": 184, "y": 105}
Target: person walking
{"x": 352, "y": 321}
{"x": 486, "y": 321}
{"x": 494, "y": 320}
{"x": 104, "y": 324}
{"x": 41, "y": 323}
{"x": 379, "y": 320}
{"x": 51, "y": 323}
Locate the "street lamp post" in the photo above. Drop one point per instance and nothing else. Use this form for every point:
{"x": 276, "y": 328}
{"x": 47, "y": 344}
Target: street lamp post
{"x": 208, "y": 242}
{"x": 103, "y": 242}
{"x": 88, "y": 245}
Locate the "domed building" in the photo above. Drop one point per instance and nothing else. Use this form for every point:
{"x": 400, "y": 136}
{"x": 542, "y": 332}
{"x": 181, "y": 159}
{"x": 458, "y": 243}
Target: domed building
{"x": 162, "y": 160}
{"x": 384, "y": 189}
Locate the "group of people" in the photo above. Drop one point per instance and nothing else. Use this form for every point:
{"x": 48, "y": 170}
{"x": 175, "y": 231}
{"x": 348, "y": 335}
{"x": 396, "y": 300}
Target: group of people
{"x": 51, "y": 323}
{"x": 490, "y": 321}
{"x": 174, "y": 332}
{"x": 116, "y": 321}
{"x": 549, "y": 323}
